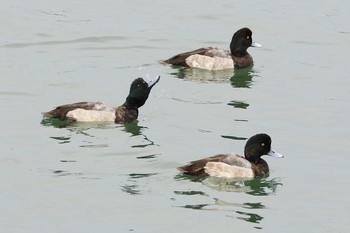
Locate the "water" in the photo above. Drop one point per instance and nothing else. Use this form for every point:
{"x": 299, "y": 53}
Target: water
{"x": 122, "y": 178}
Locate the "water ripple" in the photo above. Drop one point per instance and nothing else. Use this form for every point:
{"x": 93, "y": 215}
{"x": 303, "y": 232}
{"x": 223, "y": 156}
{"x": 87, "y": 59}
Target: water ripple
{"x": 94, "y": 39}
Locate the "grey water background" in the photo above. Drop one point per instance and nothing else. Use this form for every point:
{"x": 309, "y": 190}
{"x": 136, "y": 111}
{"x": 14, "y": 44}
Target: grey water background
{"x": 122, "y": 178}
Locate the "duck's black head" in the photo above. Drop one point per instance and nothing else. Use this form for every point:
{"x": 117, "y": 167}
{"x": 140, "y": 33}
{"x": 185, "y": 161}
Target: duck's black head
{"x": 139, "y": 91}
{"x": 257, "y": 146}
{"x": 241, "y": 41}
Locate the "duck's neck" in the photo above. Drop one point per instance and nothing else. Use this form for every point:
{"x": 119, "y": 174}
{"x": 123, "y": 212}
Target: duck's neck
{"x": 129, "y": 106}
{"x": 126, "y": 113}
{"x": 238, "y": 52}
{"x": 261, "y": 168}
{"x": 242, "y": 61}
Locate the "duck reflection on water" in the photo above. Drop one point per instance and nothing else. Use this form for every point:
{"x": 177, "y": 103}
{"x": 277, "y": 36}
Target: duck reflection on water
{"x": 246, "y": 211}
{"x": 239, "y": 78}
{"x": 83, "y": 128}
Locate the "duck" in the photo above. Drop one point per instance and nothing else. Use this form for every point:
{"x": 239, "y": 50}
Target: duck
{"x": 213, "y": 58}
{"x": 99, "y": 111}
{"x": 233, "y": 165}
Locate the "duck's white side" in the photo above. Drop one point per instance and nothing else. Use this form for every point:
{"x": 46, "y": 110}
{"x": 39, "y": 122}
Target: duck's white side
{"x": 213, "y": 59}
{"x": 209, "y": 63}
{"x": 83, "y": 115}
{"x": 224, "y": 170}
{"x": 232, "y": 166}
{"x": 100, "y": 112}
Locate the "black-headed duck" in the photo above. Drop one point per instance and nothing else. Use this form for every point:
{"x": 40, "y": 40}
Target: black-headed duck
{"x": 212, "y": 58}
{"x": 98, "y": 111}
{"x": 235, "y": 166}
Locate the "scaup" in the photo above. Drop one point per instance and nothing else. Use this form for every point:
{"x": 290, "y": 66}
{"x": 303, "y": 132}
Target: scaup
{"x": 235, "y": 166}
{"x": 98, "y": 111}
{"x": 212, "y": 58}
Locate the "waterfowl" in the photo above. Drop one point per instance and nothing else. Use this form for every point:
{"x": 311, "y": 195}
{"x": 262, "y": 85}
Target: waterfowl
{"x": 213, "y": 58}
{"x": 98, "y": 111}
{"x": 233, "y": 165}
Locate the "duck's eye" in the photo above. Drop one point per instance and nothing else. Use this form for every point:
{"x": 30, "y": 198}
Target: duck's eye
{"x": 262, "y": 144}
{"x": 248, "y": 37}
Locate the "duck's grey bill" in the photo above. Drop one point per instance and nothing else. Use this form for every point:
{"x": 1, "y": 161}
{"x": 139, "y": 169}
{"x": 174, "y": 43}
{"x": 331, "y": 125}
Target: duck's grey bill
{"x": 153, "y": 82}
{"x": 256, "y": 45}
{"x": 274, "y": 154}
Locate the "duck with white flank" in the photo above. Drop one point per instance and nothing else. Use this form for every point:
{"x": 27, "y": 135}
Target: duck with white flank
{"x": 98, "y": 111}
{"x": 212, "y": 58}
{"x": 233, "y": 165}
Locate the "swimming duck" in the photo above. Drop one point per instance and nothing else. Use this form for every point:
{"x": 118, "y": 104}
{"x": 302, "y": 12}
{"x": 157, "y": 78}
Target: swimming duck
{"x": 212, "y": 58}
{"x": 98, "y": 111}
{"x": 235, "y": 166}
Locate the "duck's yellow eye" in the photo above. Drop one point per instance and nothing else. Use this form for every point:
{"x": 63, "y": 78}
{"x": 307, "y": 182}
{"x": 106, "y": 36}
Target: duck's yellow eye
{"x": 248, "y": 37}
{"x": 262, "y": 144}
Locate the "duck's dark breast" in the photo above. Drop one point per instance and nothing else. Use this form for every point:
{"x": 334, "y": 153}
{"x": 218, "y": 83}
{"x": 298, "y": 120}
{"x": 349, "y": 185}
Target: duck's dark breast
{"x": 126, "y": 115}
